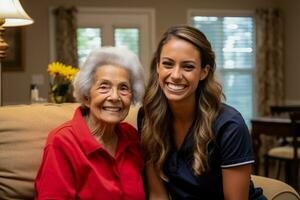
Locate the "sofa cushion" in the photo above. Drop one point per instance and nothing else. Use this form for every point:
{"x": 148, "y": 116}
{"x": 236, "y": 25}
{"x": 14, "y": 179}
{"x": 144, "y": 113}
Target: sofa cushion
{"x": 23, "y": 133}
{"x": 23, "y": 130}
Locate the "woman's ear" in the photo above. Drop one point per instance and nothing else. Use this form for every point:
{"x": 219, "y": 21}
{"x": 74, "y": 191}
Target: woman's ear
{"x": 204, "y": 72}
{"x": 86, "y": 101}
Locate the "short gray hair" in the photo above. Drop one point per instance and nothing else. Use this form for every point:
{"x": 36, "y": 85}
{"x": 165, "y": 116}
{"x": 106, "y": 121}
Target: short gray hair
{"x": 119, "y": 56}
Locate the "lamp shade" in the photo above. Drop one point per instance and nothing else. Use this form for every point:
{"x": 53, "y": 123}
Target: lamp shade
{"x": 13, "y": 13}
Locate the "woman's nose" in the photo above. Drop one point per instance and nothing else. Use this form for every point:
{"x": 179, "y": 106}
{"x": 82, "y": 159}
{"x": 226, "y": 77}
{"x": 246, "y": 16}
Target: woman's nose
{"x": 176, "y": 73}
{"x": 114, "y": 94}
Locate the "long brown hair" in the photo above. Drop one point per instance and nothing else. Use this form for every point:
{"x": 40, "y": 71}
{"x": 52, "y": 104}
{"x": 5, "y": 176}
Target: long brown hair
{"x": 156, "y": 137}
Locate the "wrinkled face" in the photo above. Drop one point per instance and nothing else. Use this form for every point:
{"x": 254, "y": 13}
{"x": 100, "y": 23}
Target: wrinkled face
{"x": 179, "y": 70}
{"x": 110, "y": 95}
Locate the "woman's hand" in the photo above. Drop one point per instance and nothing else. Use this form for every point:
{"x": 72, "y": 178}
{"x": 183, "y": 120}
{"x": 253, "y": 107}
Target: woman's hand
{"x": 236, "y": 182}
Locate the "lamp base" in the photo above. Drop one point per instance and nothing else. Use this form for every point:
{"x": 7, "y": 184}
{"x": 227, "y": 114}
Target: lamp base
{"x": 3, "y": 44}
{"x": 3, "y": 47}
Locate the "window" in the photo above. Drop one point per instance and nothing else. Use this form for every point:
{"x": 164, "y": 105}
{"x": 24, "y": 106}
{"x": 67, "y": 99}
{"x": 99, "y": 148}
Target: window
{"x": 133, "y": 28}
{"x": 232, "y": 38}
{"x": 87, "y": 39}
{"x": 128, "y": 37}
{"x": 90, "y": 38}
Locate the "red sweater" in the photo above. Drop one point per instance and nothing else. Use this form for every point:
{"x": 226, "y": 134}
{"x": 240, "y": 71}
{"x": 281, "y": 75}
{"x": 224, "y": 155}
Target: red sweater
{"x": 76, "y": 166}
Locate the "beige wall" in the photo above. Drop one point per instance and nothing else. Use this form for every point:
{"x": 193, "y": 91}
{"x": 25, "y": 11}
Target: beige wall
{"x": 168, "y": 12}
{"x": 291, "y": 11}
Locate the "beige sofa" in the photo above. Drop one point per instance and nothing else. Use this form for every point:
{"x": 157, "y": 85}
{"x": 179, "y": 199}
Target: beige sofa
{"x": 23, "y": 130}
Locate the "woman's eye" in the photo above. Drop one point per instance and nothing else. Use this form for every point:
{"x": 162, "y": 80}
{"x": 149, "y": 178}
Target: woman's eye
{"x": 103, "y": 88}
{"x": 167, "y": 64}
{"x": 189, "y": 67}
{"x": 125, "y": 90}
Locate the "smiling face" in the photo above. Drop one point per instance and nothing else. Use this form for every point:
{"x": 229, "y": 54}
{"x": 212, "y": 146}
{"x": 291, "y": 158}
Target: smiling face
{"x": 179, "y": 71}
{"x": 110, "y": 95}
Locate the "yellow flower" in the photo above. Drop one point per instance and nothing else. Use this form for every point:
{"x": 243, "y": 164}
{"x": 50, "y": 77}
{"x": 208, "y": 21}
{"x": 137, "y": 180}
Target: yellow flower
{"x": 58, "y": 69}
{"x": 55, "y": 68}
{"x": 61, "y": 77}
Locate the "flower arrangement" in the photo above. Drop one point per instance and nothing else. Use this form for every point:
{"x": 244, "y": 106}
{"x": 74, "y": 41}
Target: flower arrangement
{"x": 61, "y": 76}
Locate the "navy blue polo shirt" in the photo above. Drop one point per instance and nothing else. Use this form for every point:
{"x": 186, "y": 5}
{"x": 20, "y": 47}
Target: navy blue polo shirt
{"x": 231, "y": 147}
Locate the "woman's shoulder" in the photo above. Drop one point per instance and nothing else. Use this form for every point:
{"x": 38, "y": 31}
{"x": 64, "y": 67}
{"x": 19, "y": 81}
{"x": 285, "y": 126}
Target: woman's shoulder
{"x": 60, "y": 135}
{"x": 228, "y": 110}
{"x": 66, "y": 129}
{"x": 127, "y": 126}
{"x": 229, "y": 113}
{"x": 229, "y": 117}
{"x": 61, "y": 130}
{"x": 129, "y": 130}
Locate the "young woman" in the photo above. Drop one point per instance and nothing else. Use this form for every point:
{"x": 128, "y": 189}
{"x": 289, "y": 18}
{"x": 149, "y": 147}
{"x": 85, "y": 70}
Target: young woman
{"x": 195, "y": 146}
{"x": 95, "y": 155}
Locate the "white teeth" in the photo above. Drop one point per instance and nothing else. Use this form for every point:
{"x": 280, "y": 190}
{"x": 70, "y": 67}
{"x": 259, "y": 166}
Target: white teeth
{"x": 175, "y": 86}
{"x": 112, "y": 109}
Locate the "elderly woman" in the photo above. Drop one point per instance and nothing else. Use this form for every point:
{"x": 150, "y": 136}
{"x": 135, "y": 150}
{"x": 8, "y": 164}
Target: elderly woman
{"x": 95, "y": 155}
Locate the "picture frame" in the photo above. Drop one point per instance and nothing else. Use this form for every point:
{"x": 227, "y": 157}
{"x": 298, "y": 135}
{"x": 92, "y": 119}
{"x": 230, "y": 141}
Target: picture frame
{"x": 13, "y": 60}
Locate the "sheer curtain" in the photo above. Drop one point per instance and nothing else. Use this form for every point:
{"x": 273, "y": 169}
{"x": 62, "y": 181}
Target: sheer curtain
{"x": 269, "y": 59}
{"x": 66, "y": 40}
{"x": 66, "y": 35}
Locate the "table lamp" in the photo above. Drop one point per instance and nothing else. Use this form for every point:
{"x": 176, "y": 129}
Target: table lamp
{"x": 11, "y": 14}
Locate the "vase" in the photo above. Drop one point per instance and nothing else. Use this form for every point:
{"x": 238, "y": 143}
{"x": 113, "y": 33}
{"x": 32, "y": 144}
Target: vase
{"x": 58, "y": 98}
{"x": 59, "y": 92}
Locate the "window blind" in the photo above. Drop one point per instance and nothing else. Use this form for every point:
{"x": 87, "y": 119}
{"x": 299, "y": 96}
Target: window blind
{"x": 232, "y": 39}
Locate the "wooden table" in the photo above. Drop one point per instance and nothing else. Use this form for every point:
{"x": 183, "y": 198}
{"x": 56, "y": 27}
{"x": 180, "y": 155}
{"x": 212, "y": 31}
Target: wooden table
{"x": 268, "y": 126}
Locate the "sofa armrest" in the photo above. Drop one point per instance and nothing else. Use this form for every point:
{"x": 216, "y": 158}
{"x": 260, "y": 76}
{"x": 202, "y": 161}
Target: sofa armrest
{"x": 274, "y": 189}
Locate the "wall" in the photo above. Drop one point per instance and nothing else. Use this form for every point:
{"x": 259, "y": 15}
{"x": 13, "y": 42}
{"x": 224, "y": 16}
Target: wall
{"x": 168, "y": 12}
{"x": 291, "y": 10}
